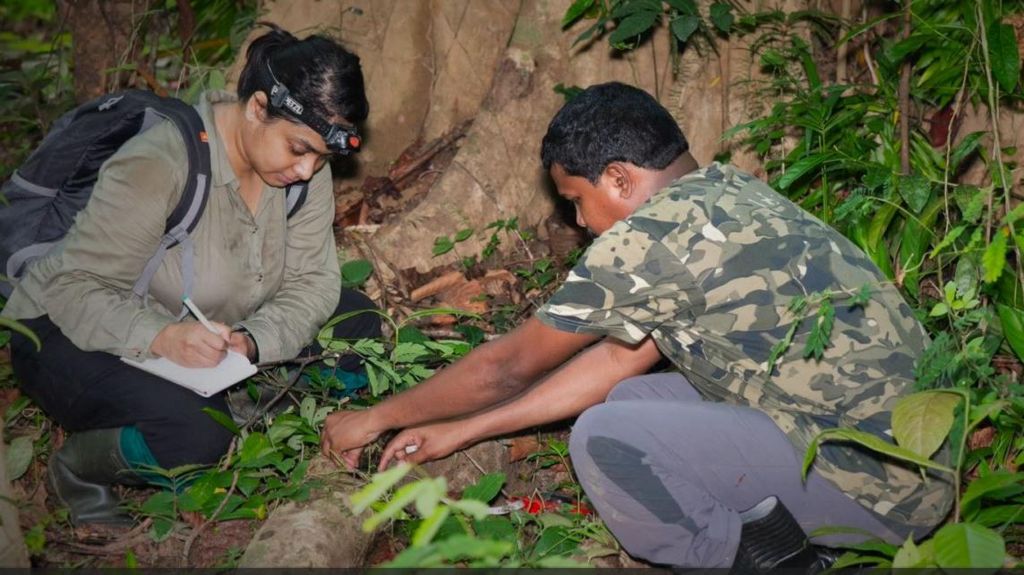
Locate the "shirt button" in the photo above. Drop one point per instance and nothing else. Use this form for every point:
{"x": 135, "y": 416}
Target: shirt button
{"x": 255, "y": 229}
{"x": 259, "y": 277}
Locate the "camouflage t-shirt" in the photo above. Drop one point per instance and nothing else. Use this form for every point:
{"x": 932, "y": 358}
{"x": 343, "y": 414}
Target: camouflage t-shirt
{"x": 708, "y": 268}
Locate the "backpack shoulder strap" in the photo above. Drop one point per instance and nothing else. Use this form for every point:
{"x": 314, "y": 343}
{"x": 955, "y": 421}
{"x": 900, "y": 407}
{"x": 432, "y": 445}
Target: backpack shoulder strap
{"x": 295, "y": 197}
{"x": 185, "y": 216}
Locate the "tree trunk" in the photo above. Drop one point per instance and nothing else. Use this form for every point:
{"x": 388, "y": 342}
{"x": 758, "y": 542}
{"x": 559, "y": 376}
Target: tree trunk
{"x": 105, "y": 38}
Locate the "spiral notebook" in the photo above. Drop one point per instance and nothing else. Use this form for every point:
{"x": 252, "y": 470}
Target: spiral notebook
{"x": 205, "y": 381}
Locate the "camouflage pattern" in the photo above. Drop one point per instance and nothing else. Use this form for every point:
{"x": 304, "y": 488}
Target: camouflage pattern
{"x": 708, "y": 268}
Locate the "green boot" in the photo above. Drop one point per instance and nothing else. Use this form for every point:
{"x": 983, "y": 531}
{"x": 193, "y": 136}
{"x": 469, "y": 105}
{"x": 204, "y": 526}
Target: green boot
{"x": 771, "y": 539}
{"x": 82, "y": 474}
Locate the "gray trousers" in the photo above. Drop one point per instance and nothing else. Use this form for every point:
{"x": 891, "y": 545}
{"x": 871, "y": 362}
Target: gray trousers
{"x": 668, "y": 473}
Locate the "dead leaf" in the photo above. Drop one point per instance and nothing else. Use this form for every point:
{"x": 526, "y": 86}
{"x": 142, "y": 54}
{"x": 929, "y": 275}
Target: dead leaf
{"x": 523, "y": 447}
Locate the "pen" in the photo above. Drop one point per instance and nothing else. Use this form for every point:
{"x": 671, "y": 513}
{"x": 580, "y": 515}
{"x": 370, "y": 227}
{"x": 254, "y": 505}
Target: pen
{"x": 199, "y": 315}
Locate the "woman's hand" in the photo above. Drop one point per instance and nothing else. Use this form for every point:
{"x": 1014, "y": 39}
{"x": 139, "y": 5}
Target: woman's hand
{"x": 346, "y": 433}
{"x": 191, "y": 345}
{"x": 241, "y": 342}
{"x": 426, "y": 443}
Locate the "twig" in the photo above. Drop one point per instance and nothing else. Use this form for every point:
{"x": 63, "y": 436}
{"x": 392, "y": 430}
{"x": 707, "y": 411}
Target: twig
{"x": 129, "y": 538}
{"x": 292, "y": 380}
{"x": 435, "y": 333}
{"x": 481, "y": 470}
{"x": 213, "y": 517}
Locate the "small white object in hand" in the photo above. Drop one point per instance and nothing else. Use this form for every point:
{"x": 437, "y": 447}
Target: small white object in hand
{"x": 411, "y": 448}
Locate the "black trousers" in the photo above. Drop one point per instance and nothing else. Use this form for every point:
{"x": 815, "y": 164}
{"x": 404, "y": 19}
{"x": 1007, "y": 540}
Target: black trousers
{"x": 85, "y": 390}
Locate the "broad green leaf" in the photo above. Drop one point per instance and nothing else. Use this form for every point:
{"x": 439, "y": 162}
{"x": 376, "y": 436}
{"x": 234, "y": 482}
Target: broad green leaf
{"x": 354, "y": 273}
{"x": 216, "y": 80}
{"x": 1002, "y": 49}
{"x": 871, "y": 442}
{"x": 493, "y": 527}
{"x": 1014, "y": 214}
{"x": 722, "y": 16}
{"x": 18, "y": 457}
{"x": 428, "y": 528}
{"x": 486, "y": 489}
{"x": 916, "y": 191}
{"x": 1000, "y": 515}
{"x": 964, "y": 149}
{"x": 463, "y": 235}
{"x": 994, "y": 260}
{"x": 684, "y": 26}
{"x": 578, "y": 9}
{"x": 921, "y": 421}
{"x": 430, "y": 496}
{"x": 402, "y": 497}
{"x": 1012, "y": 321}
{"x": 466, "y": 547}
{"x": 554, "y": 541}
{"x": 910, "y": 555}
{"x": 801, "y": 167}
{"x": 998, "y": 484}
{"x": 475, "y": 509}
{"x": 442, "y": 245}
{"x": 632, "y": 26}
{"x": 378, "y": 486}
{"x": 968, "y": 545}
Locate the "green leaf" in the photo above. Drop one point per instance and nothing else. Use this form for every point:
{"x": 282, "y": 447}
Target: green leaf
{"x": 722, "y": 16}
{"x": 223, "y": 419}
{"x": 475, "y": 509}
{"x": 554, "y": 541}
{"x": 916, "y": 191}
{"x": 377, "y": 487}
{"x": 430, "y": 496}
{"x": 964, "y": 149}
{"x": 948, "y": 240}
{"x": 632, "y": 26}
{"x": 1002, "y": 49}
{"x": 442, "y": 245}
{"x": 684, "y": 26}
{"x": 463, "y": 235}
{"x": 486, "y": 489}
{"x": 19, "y": 327}
{"x": 1012, "y": 321}
{"x": 870, "y": 441}
{"x": 821, "y": 332}
{"x": 799, "y": 168}
{"x": 921, "y": 421}
{"x": 994, "y": 260}
{"x": 354, "y": 273}
{"x": 493, "y": 527}
{"x": 578, "y": 9}
{"x": 968, "y": 545}
{"x": 428, "y": 528}
{"x": 688, "y": 7}
{"x": 999, "y": 484}
{"x": 910, "y": 555}
{"x": 18, "y": 457}
{"x": 402, "y": 497}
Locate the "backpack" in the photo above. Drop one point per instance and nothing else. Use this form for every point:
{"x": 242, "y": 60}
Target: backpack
{"x": 56, "y": 181}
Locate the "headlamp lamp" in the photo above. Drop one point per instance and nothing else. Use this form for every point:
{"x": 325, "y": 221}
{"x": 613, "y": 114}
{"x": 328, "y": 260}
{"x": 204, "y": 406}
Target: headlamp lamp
{"x": 340, "y": 139}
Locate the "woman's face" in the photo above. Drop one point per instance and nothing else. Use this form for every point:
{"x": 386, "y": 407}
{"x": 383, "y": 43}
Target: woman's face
{"x": 281, "y": 152}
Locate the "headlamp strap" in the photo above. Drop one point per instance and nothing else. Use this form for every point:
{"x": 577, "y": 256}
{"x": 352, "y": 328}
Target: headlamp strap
{"x": 340, "y": 139}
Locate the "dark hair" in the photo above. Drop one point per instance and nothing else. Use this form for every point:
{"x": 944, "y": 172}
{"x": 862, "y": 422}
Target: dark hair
{"x": 609, "y": 123}
{"x": 317, "y": 71}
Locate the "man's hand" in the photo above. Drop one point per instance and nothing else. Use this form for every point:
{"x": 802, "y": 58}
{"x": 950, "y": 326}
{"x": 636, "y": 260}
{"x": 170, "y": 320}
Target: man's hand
{"x": 191, "y": 345}
{"x": 426, "y": 443}
{"x": 346, "y": 433}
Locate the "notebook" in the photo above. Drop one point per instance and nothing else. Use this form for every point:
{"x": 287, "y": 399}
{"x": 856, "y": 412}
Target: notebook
{"x": 205, "y": 381}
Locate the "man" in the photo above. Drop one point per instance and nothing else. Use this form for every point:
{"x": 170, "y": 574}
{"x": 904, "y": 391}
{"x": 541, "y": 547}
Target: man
{"x": 699, "y": 467}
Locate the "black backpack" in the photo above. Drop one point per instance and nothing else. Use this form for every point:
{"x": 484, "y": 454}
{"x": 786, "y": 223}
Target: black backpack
{"x": 56, "y": 181}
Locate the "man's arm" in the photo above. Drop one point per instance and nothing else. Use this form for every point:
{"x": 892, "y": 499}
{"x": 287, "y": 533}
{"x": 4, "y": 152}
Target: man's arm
{"x": 584, "y": 382}
{"x": 490, "y": 374}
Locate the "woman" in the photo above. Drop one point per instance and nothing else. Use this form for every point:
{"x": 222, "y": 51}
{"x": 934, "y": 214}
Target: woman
{"x": 268, "y": 281}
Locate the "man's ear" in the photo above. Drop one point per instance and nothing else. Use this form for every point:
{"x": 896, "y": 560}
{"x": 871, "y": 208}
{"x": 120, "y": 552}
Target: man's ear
{"x": 256, "y": 107}
{"x": 620, "y": 179}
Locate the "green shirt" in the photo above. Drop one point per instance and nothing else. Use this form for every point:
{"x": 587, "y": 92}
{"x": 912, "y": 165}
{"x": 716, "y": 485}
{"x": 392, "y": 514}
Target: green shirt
{"x": 708, "y": 268}
{"x": 276, "y": 277}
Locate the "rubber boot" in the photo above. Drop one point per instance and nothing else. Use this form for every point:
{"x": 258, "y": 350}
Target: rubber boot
{"x": 772, "y": 539}
{"x": 82, "y": 474}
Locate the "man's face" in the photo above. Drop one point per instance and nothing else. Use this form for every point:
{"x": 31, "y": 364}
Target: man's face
{"x": 600, "y": 205}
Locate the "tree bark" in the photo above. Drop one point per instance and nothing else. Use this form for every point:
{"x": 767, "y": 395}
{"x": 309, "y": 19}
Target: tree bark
{"x": 105, "y": 36}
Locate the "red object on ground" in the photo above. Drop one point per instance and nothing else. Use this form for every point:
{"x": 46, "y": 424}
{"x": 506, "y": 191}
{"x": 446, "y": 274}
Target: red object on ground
{"x": 535, "y": 505}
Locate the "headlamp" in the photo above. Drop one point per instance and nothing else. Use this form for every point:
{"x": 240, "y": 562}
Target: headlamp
{"x": 339, "y": 139}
